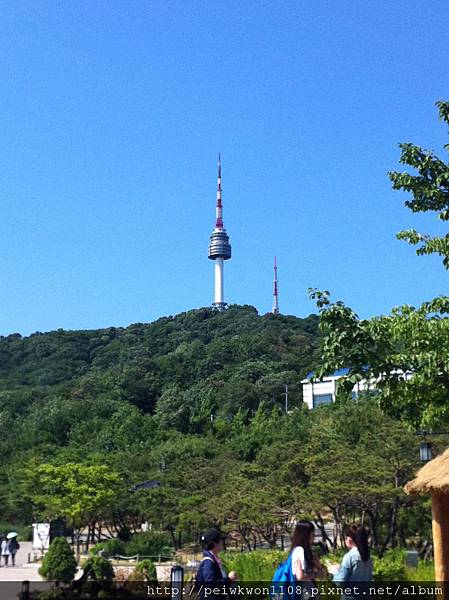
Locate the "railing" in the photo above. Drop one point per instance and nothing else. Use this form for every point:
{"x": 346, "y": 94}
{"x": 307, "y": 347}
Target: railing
{"x": 138, "y": 557}
{"x": 34, "y": 557}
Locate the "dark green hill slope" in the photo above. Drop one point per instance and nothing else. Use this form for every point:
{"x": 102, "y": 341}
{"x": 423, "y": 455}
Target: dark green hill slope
{"x": 199, "y": 347}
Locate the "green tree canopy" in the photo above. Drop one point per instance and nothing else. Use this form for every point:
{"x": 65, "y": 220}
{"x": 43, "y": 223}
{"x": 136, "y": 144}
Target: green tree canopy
{"x": 405, "y": 354}
{"x": 429, "y": 187}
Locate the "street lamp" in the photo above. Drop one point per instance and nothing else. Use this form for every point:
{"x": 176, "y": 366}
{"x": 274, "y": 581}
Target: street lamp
{"x": 425, "y": 451}
{"x": 25, "y": 592}
{"x": 425, "y": 448}
{"x": 176, "y": 580}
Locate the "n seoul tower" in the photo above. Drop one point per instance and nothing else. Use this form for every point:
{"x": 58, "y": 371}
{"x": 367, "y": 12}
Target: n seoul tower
{"x": 219, "y": 247}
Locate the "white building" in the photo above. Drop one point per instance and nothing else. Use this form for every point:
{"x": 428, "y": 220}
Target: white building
{"x": 320, "y": 392}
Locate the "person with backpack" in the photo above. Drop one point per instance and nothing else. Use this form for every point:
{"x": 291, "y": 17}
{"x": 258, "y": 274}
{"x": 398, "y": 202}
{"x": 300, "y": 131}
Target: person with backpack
{"x": 211, "y": 573}
{"x": 300, "y": 569}
{"x": 306, "y": 566}
{"x": 13, "y": 546}
{"x": 356, "y": 565}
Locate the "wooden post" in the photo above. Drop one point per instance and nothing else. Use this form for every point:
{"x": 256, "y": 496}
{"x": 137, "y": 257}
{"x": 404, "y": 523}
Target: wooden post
{"x": 440, "y": 531}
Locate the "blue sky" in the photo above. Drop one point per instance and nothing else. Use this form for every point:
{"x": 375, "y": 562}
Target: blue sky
{"x": 112, "y": 115}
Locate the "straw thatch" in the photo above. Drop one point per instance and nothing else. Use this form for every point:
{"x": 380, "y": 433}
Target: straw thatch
{"x": 432, "y": 477}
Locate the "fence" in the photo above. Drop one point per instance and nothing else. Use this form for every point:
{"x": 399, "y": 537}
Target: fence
{"x": 137, "y": 557}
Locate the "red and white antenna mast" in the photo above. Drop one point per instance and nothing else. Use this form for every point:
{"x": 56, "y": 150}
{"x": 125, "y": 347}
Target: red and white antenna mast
{"x": 219, "y": 209}
{"x": 275, "y": 290}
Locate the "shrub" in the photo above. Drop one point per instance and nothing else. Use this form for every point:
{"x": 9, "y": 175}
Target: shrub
{"x": 424, "y": 571}
{"x": 258, "y": 565}
{"x": 391, "y": 567}
{"x": 145, "y": 571}
{"x": 57, "y": 594}
{"x": 109, "y": 547}
{"x": 59, "y": 564}
{"x": 98, "y": 568}
{"x": 149, "y": 543}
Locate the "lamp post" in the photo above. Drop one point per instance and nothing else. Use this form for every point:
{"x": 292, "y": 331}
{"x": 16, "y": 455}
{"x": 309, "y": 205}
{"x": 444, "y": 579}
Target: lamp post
{"x": 25, "y": 592}
{"x": 425, "y": 447}
{"x": 425, "y": 451}
{"x": 176, "y": 582}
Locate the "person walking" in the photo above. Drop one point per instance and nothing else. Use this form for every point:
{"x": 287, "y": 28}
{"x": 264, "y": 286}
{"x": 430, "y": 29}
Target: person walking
{"x": 306, "y": 567}
{"x": 13, "y": 546}
{"x": 211, "y": 573}
{"x": 356, "y": 566}
{"x": 5, "y": 551}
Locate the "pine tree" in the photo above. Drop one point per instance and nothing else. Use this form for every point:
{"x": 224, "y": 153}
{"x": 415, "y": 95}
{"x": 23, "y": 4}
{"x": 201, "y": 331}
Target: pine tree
{"x": 59, "y": 564}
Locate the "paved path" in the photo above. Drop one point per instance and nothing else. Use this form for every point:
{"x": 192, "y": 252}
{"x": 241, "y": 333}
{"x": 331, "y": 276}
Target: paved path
{"x": 11, "y": 577}
{"x": 22, "y": 571}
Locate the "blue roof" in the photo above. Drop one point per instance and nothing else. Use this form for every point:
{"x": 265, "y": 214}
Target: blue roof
{"x": 337, "y": 373}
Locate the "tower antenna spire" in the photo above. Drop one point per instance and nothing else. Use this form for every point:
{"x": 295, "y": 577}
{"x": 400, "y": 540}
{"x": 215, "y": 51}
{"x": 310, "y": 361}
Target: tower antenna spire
{"x": 219, "y": 247}
{"x": 219, "y": 209}
{"x": 275, "y": 310}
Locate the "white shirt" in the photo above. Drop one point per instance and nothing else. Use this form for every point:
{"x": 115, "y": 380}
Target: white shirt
{"x": 5, "y": 548}
{"x": 298, "y": 556}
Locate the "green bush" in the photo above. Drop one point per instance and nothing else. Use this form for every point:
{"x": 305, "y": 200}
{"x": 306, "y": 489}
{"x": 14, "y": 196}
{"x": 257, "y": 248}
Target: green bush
{"x": 59, "y": 564}
{"x": 424, "y": 571}
{"x": 258, "y": 565}
{"x": 98, "y": 568}
{"x": 145, "y": 571}
{"x": 57, "y": 594}
{"x": 391, "y": 567}
{"x": 109, "y": 548}
{"x": 149, "y": 543}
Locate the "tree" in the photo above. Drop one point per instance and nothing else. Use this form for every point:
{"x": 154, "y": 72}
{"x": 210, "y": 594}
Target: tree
{"x": 429, "y": 189}
{"x": 369, "y": 488}
{"x": 248, "y": 508}
{"x": 75, "y": 491}
{"x": 406, "y": 353}
{"x": 59, "y": 564}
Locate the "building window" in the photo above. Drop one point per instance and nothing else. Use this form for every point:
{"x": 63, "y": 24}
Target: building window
{"x": 319, "y": 399}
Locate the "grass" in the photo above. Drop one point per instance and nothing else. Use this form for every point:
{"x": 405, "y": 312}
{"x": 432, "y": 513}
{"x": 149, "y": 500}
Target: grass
{"x": 260, "y": 565}
{"x": 425, "y": 571}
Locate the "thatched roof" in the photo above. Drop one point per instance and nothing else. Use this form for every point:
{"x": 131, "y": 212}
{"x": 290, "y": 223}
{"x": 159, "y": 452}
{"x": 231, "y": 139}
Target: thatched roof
{"x": 432, "y": 477}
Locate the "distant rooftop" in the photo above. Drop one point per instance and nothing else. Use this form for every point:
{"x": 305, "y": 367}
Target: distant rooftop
{"x": 337, "y": 373}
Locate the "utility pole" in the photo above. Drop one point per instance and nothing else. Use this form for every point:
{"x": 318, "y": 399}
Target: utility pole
{"x": 286, "y": 397}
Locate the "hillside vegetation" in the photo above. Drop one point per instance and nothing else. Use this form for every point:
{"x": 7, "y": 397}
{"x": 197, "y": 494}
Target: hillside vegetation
{"x": 237, "y": 358}
{"x": 196, "y": 403}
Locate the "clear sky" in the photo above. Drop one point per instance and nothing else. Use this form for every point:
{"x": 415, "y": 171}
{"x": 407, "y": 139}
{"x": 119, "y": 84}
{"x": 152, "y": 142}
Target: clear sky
{"x": 111, "y": 118}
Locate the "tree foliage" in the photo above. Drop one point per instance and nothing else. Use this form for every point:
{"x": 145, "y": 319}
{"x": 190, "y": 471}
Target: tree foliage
{"x": 429, "y": 187}
{"x": 59, "y": 563}
{"x": 196, "y": 403}
{"x": 404, "y": 354}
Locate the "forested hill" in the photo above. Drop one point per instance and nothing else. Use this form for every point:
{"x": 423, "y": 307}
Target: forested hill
{"x": 192, "y": 365}
{"x": 195, "y": 401}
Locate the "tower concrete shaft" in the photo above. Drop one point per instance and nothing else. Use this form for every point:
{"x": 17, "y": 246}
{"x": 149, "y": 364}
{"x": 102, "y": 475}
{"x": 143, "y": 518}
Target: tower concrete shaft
{"x": 219, "y": 247}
